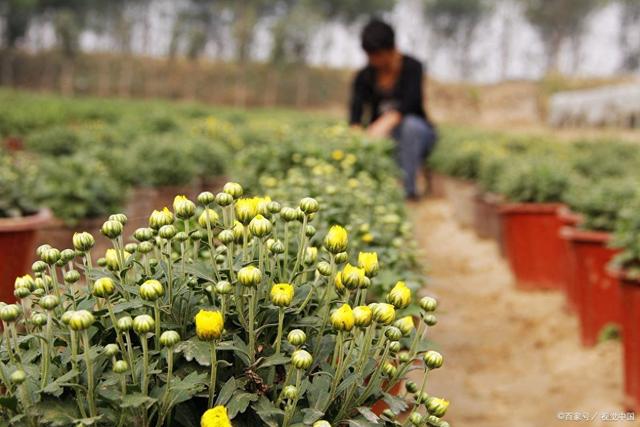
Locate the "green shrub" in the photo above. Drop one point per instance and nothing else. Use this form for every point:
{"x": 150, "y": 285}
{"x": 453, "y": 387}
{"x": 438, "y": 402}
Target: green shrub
{"x": 19, "y": 179}
{"x": 164, "y": 160}
{"x": 534, "y": 180}
{"x": 53, "y": 141}
{"x": 627, "y": 238}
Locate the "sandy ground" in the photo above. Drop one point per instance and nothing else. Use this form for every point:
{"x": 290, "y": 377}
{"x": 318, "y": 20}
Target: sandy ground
{"x": 512, "y": 359}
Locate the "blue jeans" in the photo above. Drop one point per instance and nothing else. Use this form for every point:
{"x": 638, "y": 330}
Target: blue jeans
{"x": 416, "y": 139}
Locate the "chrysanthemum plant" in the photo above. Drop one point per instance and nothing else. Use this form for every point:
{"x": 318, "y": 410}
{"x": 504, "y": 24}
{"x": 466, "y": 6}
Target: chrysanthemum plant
{"x": 231, "y": 311}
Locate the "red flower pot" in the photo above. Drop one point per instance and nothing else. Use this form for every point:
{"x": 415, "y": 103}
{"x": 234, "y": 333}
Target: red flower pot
{"x": 379, "y": 406}
{"x": 598, "y": 293}
{"x": 630, "y": 290}
{"x": 533, "y": 245}
{"x": 569, "y": 220}
{"x": 17, "y": 243}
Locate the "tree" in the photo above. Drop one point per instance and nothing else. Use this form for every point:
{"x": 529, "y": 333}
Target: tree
{"x": 558, "y": 21}
{"x": 455, "y": 23}
{"x": 629, "y": 38}
{"x": 18, "y": 15}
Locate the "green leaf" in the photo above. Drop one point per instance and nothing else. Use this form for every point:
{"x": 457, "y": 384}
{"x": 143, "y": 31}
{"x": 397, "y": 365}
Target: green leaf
{"x": 226, "y": 391}
{"x": 311, "y": 415}
{"x": 57, "y": 387}
{"x": 276, "y": 359}
{"x": 10, "y": 403}
{"x": 136, "y": 400}
{"x": 240, "y": 402}
{"x": 195, "y": 349}
{"x": 268, "y": 412}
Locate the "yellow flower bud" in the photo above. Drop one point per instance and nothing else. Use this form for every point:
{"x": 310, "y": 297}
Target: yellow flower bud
{"x": 301, "y": 359}
{"x": 321, "y": 423}
{"x": 112, "y": 229}
{"x": 51, "y": 255}
{"x": 405, "y": 324}
{"x": 81, "y": 320}
{"x": 297, "y": 337}
{"x": 288, "y": 214}
{"x": 18, "y": 377}
{"x": 338, "y": 283}
{"x": 208, "y": 215}
{"x": 183, "y": 207}
{"x": 249, "y": 276}
{"x": 216, "y": 417}
{"x": 437, "y": 407}
{"x": 400, "y": 295}
{"x": 120, "y": 217}
{"x": 433, "y": 359}
{"x": 309, "y": 205}
{"x": 49, "y": 302}
{"x": 428, "y": 304}
{"x": 124, "y": 323}
{"x": 343, "y": 319}
{"x": 260, "y": 226}
{"x": 282, "y": 294}
{"x": 206, "y": 198}
{"x": 120, "y": 367}
{"x": 384, "y": 313}
{"x": 246, "y": 209}
{"x": 233, "y": 188}
{"x": 167, "y": 231}
{"x": 104, "y": 287}
{"x": 352, "y": 277}
{"x": 111, "y": 349}
{"x": 25, "y": 281}
{"x": 310, "y": 255}
{"x": 160, "y": 218}
{"x": 362, "y": 316}
{"x": 369, "y": 261}
{"x": 83, "y": 242}
{"x": 143, "y": 324}
{"x": 336, "y": 239}
{"x": 224, "y": 199}
{"x": 10, "y": 312}
{"x": 209, "y": 325}
{"x": 111, "y": 259}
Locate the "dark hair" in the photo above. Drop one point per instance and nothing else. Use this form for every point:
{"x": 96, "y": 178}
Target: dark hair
{"x": 377, "y": 35}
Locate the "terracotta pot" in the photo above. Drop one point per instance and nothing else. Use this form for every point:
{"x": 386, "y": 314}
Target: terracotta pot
{"x": 59, "y": 235}
{"x": 599, "y": 295}
{"x": 461, "y": 194}
{"x": 143, "y": 200}
{"x": 436, "y": 184}
{"x": 533, "y": 245}
{"x": 630, "y": 291}
{"x": 17, "y": 243}
{"x": 569, "y": 220}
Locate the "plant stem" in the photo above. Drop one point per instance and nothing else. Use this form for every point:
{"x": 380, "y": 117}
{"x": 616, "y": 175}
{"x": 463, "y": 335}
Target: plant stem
{"x": 292, "y": 408}
{"x": 46, "y": 354}
{"x": 214, "y": 371}
{"x": 252, "y": 335}
{"x": 156, "y": 312}
{"x": 127, "y": 337}
{"x": 145, "y": 365}
{"x": 90, "y": 379}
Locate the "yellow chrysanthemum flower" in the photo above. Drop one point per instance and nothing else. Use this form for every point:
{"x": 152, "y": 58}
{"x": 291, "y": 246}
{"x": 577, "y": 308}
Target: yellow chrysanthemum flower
{"x": 216, "y": 417}
{"x": 400, "y": 295}
{"x": 369, "y": 261}
{"x": 336, "y": 239}
{"x": 282, "y": 294}
{"x": 337, "y": 155}
{"x": 343, "y": 319}
{"x": 209, "y": 325}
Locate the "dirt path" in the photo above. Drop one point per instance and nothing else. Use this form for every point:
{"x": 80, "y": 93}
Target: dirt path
{"x": 512, "y": 359}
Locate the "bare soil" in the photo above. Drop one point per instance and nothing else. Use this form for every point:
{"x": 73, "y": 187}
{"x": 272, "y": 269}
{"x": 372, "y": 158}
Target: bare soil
{"x": 512, "y": 358}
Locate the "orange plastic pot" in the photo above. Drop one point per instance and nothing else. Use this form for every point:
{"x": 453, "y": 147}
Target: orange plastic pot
{"x": 379, "y": 406}
{"x": 17, "y": 243}
{"x": 533, "y": 245}
{"x": 569, "y": 220}
{"x": 630, "y": 291}
{"x": 599, "y": 300}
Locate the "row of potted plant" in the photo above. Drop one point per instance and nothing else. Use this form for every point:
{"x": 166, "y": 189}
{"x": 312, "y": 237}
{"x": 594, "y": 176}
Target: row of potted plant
{"x": 564, "y": 216}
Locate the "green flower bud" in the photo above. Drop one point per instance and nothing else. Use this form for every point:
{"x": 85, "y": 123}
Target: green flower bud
{"x": 288, "y": 214}
{"x": 428, "y": 304}
{"x": 50, "y": 256}
{"x": 145, "y": 247}
{"x": 81, "y": 320}
{"x": 205, "y": 198}
{"x": 66, "y": 317}
{"x": 290, "y": 392}
{"x": 310, "y": 231}
{"x": 111, "y": 350}
{"x": 226, "y": 237}
{"x": 300, "y": 215}
{"x": 249, "y": 276}
{"x": 273, "y": 207}
{"x": 124, "y": 323}
{"x": 301, "y": 359}
{"x": 324, "y": 268}
{"x": 404, "y": 357}
{"x": 352, "y": 277}
{"x": 183, "y": 207}
{"x": 341, "y": 257}
{"x": 38, "y": 292}
{"x": 38, "y": 319}
{"x": 416, "y": 419}
{"x": 71, "y": 276}
{"x": 321, "y": 423}
{"x": 411, "y": 386}
{"x": 233, "y": 189}
{"x": 39, "y": 266}
{"x": 143, "y": 234}
{"x": 169, "y": 339}
{"x": 104, "y": 287}
{"x": 131, "y": 247}
{"x": 167, "y": 231}
{"x": 10, "y": 312}
{"x": 310, "y": 255}
{"x": 120, "y": 367}
{"x": 151, "y": 290}
{"x": 309, "y": 205}
{"x": 437, "y": 407}
{"x": 143, "y": 324}
{"x": 394, "y": 347}
{"x": 83, "y": 242}
{"x": 405, "y": 324}
{"x": 362, "y": 315}
{"x": 238, "y": 232}
{"x": 208, "y": 216}
{"x": 25, "y": 281}
{"x": 181, "y": 237}
{"x": 21, "y": 293}
{"x": 49, "y": 302}
{"x": 112, "y": 229}
{"x": 223, "y": 287}
{"x": 383, "y": 313}
{"x": 421, "y": 397}
{"x": 297, "y": 337}
{"x": 260, "y": 226}
{"x": 120, "y": 217}
{"x": 42, "y": 282}
{"x": 433, "y": 359}
{"x": 430, "y": 319}
{"x": 18, "y": 377}
{"x": 196, "y": 235}
{"x": 224, "y": 199}
{"x": 67, "y": 255}
{"x": 389, "y": 370}
{"x": 40, "y": 250}
{"x": 392, "y": 333}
